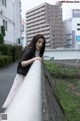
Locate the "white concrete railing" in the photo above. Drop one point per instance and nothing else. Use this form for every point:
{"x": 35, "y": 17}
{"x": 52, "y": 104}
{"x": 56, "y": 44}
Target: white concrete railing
{"x": 27, "y": 103}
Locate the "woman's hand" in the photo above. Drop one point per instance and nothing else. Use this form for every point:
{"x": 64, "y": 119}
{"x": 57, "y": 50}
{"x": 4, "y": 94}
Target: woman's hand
{"x": 27, "y": 62}
{"x": 38, "y": 58}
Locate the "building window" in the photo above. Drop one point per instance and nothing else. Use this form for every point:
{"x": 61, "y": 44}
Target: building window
{"x": 78, "y": 24}
{"x": 4, "y": 3}
{"x": 19, "y": 41}
{"x": 78, "y": 28}
{"x": 5, "y": 24}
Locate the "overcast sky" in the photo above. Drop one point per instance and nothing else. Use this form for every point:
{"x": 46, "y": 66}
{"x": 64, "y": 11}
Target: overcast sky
{"x": 29, "y": 4}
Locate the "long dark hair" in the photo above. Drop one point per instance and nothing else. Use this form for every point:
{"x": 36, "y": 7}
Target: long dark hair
{"x": 34, "y": 41}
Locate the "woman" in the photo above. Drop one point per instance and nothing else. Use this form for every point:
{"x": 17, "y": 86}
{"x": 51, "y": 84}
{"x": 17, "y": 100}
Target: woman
{"x": 34, "y": 51}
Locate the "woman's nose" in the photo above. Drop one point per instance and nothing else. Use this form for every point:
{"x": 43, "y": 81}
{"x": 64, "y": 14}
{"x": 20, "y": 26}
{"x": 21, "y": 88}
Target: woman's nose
{"x": 40, "y": 44}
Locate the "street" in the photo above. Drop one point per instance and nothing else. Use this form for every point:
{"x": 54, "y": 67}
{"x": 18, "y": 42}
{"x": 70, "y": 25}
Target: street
{"x": 7, "y": 75}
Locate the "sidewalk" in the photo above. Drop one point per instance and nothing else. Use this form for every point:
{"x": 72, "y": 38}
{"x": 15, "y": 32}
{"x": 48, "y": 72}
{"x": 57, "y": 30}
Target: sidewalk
{"x": 7, "y": 75}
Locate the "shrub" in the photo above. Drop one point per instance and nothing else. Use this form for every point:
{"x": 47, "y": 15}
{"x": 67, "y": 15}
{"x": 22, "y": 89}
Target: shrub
{"x": 9, "y": 54}
{"x": 1, "y": 39}
{"x": 5, "y": 60}
{"x": 10, "y": 50}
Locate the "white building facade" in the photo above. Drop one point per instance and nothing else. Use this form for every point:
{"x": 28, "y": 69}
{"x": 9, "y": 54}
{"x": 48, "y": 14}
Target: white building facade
{"x": 72, "y": 30}
{"x": 10, "y": 18}
{"x": 45, "y": 19}
{"x": 23, "y": 35}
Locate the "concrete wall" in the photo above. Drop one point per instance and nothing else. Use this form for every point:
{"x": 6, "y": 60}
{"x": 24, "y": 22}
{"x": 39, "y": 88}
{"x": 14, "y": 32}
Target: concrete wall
{"x": 62, "y": 54}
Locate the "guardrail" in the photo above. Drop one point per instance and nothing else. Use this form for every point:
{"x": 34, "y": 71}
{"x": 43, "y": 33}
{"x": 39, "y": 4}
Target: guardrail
{"x": 27, "y": 103}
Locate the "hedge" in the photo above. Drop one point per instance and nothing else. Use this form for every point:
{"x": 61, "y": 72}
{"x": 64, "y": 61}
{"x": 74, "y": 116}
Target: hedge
{"x": 9, "y": 54}
{"x": 5, "y": 60}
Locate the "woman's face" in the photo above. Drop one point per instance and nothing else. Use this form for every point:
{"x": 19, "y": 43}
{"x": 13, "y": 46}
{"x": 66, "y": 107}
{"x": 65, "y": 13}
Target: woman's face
{"x": 39, "y": 44}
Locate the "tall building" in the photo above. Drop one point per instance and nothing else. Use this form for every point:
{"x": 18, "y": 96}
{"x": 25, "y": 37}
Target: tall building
{"x": 10, "y": 18}
{"x": 72, "y": 30}
{"x": 46, "y": 19}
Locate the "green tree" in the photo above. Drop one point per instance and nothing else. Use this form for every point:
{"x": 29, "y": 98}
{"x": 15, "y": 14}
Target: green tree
{"x": 1, "y": 38}
{"x": 2, "y": 34}
{"x": 3, "y": 30}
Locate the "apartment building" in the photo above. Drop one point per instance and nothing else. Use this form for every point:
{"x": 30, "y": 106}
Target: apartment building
{"x": 46, "y": 19}
{"x": 10, "y": 18}
{"x": 72, "y": 30}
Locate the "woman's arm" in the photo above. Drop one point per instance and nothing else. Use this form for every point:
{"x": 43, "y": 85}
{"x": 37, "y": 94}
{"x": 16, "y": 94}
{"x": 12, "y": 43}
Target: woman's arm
{"x": 27, "y": 62}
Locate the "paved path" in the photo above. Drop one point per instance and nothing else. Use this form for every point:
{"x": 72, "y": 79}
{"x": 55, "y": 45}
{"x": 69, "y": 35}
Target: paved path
{"x": 7, "y": 75}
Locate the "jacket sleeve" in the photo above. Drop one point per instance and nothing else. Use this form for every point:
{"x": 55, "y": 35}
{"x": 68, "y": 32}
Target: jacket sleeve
{"x": 26, "y": 55}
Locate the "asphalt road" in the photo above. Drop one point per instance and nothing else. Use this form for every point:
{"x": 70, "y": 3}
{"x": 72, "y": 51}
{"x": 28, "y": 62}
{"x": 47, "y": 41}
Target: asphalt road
{"x": 7, "y": 75}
